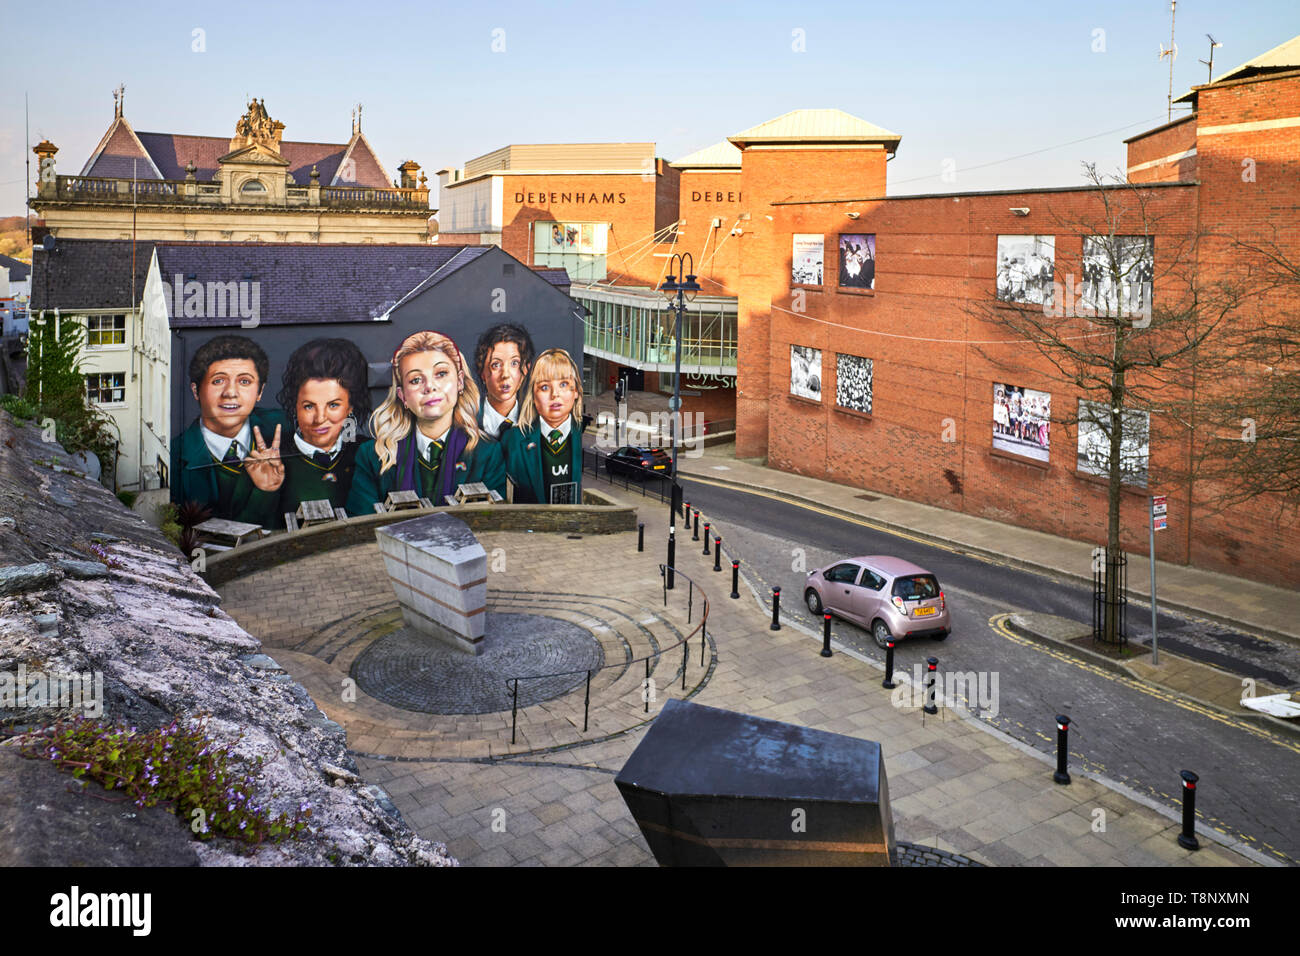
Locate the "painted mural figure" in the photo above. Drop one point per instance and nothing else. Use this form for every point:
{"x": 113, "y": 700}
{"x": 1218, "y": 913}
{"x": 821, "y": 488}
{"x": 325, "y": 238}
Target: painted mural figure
{"x": 325, "y": 395}
{"x": 427, "y": 438}
{"x": 544, "y": 454}
{"x": 222, "y": 459}
{"x": 502, "y": 358}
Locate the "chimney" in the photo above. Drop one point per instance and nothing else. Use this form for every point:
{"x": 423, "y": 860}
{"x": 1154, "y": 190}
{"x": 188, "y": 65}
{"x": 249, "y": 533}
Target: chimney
{"x": 408, "y": 170}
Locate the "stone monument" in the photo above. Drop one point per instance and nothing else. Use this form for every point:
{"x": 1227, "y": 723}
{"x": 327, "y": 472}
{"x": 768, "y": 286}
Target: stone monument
{"x": 439, "y": 572}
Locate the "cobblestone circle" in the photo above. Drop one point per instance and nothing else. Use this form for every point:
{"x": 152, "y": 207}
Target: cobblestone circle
{"x": 408, "y": 670}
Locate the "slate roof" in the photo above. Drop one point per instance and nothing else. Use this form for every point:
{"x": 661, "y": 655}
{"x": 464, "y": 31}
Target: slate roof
{"x": 171, "y": 152}
{"x": 18, "y": 270}
{"x": 299, "y": 282}
{"x": 88, "y": 274}
{"x": 556, "y": 277}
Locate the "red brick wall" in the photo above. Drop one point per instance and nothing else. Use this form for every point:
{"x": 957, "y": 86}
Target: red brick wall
{"x": 1164, "y": 141}
{"x": 706, "y": 196}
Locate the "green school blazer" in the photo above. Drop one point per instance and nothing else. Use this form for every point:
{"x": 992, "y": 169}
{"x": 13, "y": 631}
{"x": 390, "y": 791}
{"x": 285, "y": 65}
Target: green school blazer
{"x": 369, "y": 487}
{"x": 523, "y": 453}
{"x": 194, "y": 478}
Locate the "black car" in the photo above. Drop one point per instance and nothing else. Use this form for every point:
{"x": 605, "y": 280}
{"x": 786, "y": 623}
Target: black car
{"x": 637, "y": 462}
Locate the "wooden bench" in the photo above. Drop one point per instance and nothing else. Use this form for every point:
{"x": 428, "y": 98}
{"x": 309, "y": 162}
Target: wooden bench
{"x": 234, "y": 531}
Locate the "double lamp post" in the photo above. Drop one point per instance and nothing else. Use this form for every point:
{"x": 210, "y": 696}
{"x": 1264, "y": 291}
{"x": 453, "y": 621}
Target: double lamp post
{"x": 679, "y": 288}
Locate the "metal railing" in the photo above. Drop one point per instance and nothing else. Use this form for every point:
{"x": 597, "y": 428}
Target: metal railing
{"x": 113, "y": 190}
{"x": 684, "y": 644}
{"x": 624, "y": 474}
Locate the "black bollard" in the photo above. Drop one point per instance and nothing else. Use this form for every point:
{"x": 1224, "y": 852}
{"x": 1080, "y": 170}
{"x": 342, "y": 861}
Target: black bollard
{"x": 1062, "y": 776}
{"x": 717, "y": 552}
{"x": 776, "y": 609}
{"x": 888, "y": 682}
{"x": 697, "y": 525}
{"x": 826, "y": 634}
{"x": 932, "y": 665}
{"x": 686, "y": 509}
{"x": 706, "y": 538}
{"x": 735, "y": 579}
{"x": 640, "y": 536}
{"x": 1187, "y": 839}
{"x": 672, "y": 556}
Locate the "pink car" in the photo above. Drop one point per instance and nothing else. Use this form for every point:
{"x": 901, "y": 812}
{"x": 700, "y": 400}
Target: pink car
{"x": 890, "y": 597}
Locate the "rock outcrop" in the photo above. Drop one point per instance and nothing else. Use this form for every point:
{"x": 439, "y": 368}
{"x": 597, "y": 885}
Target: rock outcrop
{"x": 87, "y": 587}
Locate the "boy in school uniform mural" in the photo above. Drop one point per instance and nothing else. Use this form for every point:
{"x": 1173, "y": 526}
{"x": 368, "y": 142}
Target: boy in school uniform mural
{"x": 427, "y": 439}
{"x": 325, "y": 395}
{"x": 222, "y": 459}
{"x": 545, "y": 451}
{"x": 503, "y": 357}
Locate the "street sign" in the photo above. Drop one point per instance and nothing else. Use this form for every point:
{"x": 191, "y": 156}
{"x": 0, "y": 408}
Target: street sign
{"x": 1159, "y": 504}
{"x": 1160, "y": 522}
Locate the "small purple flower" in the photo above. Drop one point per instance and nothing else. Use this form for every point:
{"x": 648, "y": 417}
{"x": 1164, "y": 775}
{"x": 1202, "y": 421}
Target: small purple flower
{"x": 242, "y": 824}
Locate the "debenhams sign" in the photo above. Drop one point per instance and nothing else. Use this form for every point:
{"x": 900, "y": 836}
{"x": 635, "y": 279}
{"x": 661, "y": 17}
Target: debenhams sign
{"x": 590, "y": 198}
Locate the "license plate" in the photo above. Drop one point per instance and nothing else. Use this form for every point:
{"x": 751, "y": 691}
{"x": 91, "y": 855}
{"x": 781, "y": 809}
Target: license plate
{"x": 923, "y": 611}
{"x": 660, "y": 467}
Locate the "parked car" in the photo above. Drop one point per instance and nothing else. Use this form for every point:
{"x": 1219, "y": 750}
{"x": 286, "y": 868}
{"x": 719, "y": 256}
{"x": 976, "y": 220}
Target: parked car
{"x": 636, "y": 462}
{"x": 888, "y": 596}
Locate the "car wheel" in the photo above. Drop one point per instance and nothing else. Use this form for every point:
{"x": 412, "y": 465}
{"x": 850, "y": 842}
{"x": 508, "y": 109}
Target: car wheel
{"x": 814, "y": 602}
{"x": 880, "y": 631}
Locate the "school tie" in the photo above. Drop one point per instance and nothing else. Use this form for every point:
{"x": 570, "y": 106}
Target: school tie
{"x": 557, "y": 439}
{"x": 505, "y": 427}
{"x": 321, "y": 458}
{"x": 232, "y": 453}
{"x": 435, "y": 453}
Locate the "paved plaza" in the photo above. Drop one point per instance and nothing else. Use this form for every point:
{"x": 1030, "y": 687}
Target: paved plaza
{"x": 548, "y": 797}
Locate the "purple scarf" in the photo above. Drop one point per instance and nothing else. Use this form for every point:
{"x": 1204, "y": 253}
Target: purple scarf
{"x": 448, "y": 472}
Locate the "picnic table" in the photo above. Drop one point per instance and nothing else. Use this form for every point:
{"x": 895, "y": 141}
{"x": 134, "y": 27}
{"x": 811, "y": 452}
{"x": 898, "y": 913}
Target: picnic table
{"x": 234, "y": 531}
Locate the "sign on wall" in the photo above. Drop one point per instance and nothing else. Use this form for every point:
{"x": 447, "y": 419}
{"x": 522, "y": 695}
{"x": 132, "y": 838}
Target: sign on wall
{"x": 806, "y": 372}
{"x": 1026, "y": 266}
{"x": 1094, "y": 442}
{"x": 1022, "y": 418}
{"x": 857, "y": 261}
{"x": 853, "y": 382}
{"x": 808, "y": 257}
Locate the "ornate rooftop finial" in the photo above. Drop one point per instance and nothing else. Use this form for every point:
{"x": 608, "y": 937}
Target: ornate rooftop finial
{"x": 119, "y": 100}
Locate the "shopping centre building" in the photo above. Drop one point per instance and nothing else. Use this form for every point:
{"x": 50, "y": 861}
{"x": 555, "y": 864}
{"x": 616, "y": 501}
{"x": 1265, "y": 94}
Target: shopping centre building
{"x": 863, "y": 332}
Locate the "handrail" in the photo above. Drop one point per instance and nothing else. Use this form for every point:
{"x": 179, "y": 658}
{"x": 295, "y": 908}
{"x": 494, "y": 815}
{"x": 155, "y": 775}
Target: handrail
{"x": 684, "y": 644}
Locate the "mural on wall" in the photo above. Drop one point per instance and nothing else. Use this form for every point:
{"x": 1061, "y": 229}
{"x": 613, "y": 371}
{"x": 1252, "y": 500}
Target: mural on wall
{"x": 808, "y": 256}
{"x": 1094, "y": 442}
{"x": 853, "y": 382}
{"x": 1022, "y": 419}
{"x": 1118, "y": 273}
{"x": 448, "y": 419}
{"x": 1026, "y": 267}
{"x": 806, "y": 372}
{"x": 858, "y": 261}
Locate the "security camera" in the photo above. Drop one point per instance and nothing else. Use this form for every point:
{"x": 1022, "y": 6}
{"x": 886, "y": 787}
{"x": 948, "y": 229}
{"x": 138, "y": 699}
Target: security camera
{"x": 1020, "y": 210}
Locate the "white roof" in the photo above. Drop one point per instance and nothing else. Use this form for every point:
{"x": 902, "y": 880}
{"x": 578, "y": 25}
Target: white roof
{"x": 815, "y": 126}
{"x": 722, "y": 154}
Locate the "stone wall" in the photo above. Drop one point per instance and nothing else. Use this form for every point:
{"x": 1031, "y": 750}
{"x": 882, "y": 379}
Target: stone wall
{"x": 155, "y": 632}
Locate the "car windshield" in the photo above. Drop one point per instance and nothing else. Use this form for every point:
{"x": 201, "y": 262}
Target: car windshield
{"x": 918, "y": 587}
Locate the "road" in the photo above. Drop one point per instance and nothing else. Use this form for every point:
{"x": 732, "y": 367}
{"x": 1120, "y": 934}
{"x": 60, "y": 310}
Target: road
{"x": 1129, "y": 732}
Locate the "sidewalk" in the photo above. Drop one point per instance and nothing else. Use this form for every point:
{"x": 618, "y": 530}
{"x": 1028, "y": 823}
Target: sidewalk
{"x": 1234, "y": 602}
{"x": 956, "y": 784}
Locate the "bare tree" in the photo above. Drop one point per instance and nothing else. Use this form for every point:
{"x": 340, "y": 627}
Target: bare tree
{"x": 1131, "y": 337}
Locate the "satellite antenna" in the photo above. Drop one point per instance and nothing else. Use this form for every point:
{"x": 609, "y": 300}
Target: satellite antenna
{"x": 1210, "y": 62}
{"x": 1172, "y": 53}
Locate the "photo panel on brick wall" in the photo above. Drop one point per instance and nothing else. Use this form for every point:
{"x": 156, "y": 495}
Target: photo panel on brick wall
{"x": 808, "y": 256}
{"x": 853, "y": 382}
{"x": 857, "y": 261}
{"x": 1022, "y": 419}
{"x": 806, "y": 372}
{"x": 1026, "y": 269}
{"x": 1094, "y": 442}
{"x": 1118, "y": 273}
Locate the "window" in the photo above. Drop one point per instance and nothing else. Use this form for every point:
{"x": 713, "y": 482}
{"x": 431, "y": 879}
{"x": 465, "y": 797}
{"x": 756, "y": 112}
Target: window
{"x": 106, "y": 388}
{"x": 577, "y": 247}
{"x": 843, "y": 573}
{"x": 872, "y": 580}
{"x": 253, "y": 187}
{"x": 104, "y": 331}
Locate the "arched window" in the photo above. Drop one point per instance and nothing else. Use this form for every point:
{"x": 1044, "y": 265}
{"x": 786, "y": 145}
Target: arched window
{"x": 253, "y": 187}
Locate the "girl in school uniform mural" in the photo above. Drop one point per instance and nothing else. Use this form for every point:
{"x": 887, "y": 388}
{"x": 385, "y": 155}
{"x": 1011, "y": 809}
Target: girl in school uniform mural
{"x": 544, "y": 454}
{"x": 325, "y": 395}
{"x": 427, "y": 438}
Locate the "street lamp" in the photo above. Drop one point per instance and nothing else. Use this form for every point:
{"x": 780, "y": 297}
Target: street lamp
{"x": 678, "y": 293}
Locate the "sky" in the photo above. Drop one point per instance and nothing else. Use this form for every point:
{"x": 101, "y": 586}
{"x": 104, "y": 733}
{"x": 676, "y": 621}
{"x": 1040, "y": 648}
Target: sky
{"x": 1001, "y": 94}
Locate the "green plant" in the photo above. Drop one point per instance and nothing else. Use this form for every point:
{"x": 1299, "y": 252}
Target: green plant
{"x": 56, "y": 388}
{"x": 18, "y": 407}
{"x": 128, "y": 497}
{"x": 179, "y": 768}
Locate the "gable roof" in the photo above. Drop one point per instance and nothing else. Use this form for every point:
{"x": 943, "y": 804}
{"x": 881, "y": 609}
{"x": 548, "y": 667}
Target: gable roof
{"x": 721, "y": 155}
{"x": 1284, "y": 56}
{"x": 816, "y": 126}
{"x": 300, "y": 282}
{"x": 121, "y": 155}
{"x": 172, "y": 151}
{"x": 18, "y": 270}
{"x": 88, "y": 274}
{"x": 366, "y": 169}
